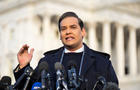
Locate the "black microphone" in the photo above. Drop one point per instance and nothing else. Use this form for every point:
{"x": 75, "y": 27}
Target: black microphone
{"x": 72, "y": 75}
{"x": 27, "y": 71}
{"x": 5, "y": 83}
{"x": 111, "y": 86}
{"x": 45, "y": 77}
{"x": 106, "y": 85}
{"x": 100, "y": 81}
{"x": 60, "y": 82}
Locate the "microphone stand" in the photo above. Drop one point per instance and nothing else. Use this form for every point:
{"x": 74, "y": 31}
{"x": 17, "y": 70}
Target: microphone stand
{"x": 49, "y": 81}
{"x": 18, "y": 81}
{"x": 46, "y": 80}
{"x": 29, "y": 73}
{"x": 73, "y": 79}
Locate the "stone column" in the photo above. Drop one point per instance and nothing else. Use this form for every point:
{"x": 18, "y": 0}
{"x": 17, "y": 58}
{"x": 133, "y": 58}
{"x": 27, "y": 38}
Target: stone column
{"x": 120, "y": 50}
{"x": 1, "y": 48}
{"x": 93, "y": 43}
{"x": 0, "y": 37}
{"x": 106, "y": 38}
{"x": 48, "y": 40}
{"x": 51, "y": 40}
{"x": 132, "y": 51}
{"x": 5, "y": 68}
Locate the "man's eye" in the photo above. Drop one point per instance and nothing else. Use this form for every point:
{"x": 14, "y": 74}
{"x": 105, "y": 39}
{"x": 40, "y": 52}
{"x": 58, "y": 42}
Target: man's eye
{"x": 73, "y": 27}
{"x": 63, "y": 28}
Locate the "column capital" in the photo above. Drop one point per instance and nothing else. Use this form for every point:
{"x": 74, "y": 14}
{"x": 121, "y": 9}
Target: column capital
{"x": 106, "y": 22}
{"x": 47, "y": 15}
{"x": 118, "y": 24}
{"x": 131, "y": 28}
{"x": 92, "y": 24}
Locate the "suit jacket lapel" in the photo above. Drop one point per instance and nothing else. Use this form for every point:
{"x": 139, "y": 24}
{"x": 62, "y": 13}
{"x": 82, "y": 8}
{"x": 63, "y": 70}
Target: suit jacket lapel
{"x": 57, "y": 55}
{"x": 89, "y": 59}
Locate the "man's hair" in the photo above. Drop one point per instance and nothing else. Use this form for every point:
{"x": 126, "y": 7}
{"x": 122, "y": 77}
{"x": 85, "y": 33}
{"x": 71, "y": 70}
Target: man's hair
{"x": 70, "y": 14}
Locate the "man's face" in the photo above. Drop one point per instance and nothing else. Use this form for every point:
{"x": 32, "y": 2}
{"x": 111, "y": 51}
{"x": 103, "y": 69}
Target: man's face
{"x": 71, "y": 33}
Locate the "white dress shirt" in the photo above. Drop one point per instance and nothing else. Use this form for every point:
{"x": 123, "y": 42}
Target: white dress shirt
{"x": 76, "y": 51}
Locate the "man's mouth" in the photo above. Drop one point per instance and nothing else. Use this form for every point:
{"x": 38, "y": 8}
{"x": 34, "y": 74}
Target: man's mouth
{"x": 69, "y": 38}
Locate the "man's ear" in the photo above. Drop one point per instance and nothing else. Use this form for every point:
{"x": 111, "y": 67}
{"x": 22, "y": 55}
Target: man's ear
{"x": 83, "y": 32}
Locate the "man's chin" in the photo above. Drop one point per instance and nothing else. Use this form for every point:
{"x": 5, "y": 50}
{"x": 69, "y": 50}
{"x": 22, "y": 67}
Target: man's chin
{"x": 69, "y": 45}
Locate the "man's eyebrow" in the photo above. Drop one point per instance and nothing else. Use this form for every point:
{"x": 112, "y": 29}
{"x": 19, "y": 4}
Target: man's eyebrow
{"x": 62, "y": 26}
{"x": 73, "y": 25}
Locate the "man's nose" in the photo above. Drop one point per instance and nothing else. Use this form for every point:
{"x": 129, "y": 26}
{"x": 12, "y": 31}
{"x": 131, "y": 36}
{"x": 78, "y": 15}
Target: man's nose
{"x": 68, "y": 31}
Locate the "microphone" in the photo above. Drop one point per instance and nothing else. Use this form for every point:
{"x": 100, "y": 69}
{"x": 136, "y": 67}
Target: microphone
{"x": 5, "y": 83}
{"x": 28, "y": 70}
{"x": 106, "y": 85}
{"x": 43, "y": 67}
{"x": 72, "y": 75}
{"x": 60, "y": 82}
{"x": 111, "y": 86}
{"x": 101, "y": 81}
{"x": 36, "y": 86}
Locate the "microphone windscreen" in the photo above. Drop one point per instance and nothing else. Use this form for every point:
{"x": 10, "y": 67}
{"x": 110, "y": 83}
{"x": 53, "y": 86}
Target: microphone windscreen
{"x": 6, "y": 80}
{"x": 36, "y": 86}
{"x": 29, "y": 71}
{"x": 111, "y": 86}
{"x": 58, "y": 66}
{"x": 43, "y": 66}
{"x": 102, "y": 80}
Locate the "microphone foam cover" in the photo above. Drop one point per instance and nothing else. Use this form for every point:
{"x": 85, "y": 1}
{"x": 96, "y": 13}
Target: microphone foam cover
{"x": 58, "y": 66}
{"x": 6, "y": 80}
{"x": 43, "y": 66}
{"x": 111, "y": 86}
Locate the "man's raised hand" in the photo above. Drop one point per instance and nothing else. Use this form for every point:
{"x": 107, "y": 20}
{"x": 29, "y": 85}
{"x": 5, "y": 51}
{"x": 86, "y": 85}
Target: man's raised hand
{"x": 24, "y": 57}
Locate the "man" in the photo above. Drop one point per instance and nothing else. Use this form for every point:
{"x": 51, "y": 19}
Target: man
{"x": 90, "y": 64}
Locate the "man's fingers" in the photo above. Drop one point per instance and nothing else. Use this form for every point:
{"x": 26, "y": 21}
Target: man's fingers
{"x": 23, "y": 49}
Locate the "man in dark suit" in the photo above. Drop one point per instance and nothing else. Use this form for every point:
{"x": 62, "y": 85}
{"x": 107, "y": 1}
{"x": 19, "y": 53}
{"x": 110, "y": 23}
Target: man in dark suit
{"x": 90, "y": 64}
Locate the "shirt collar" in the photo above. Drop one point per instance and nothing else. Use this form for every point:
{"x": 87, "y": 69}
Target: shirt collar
{"x": 76, "y": 51}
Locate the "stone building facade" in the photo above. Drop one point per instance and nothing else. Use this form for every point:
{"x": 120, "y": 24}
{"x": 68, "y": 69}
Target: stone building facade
{"x": 112, "y": 27}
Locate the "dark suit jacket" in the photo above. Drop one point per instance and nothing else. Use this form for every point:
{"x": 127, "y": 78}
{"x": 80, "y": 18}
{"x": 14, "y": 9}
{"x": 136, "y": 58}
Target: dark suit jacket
{"x": 95, "y": 64}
